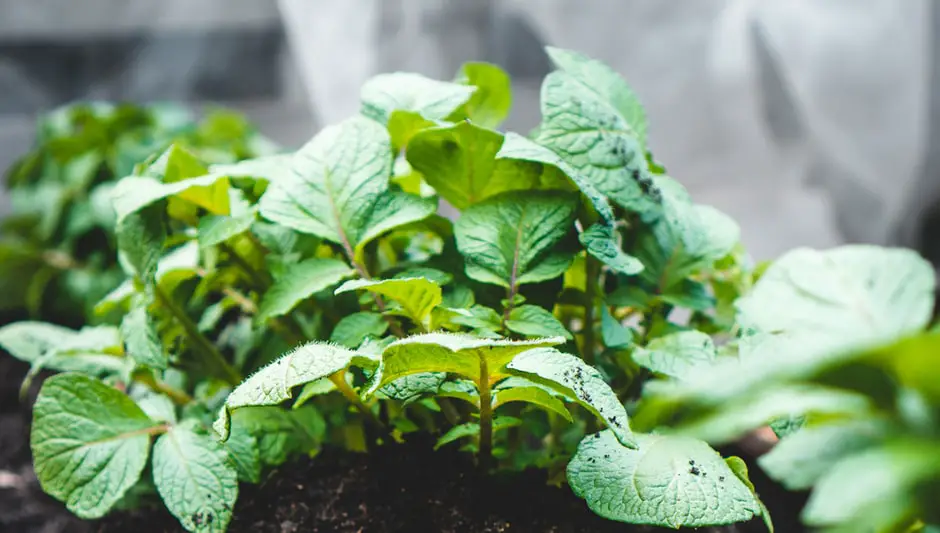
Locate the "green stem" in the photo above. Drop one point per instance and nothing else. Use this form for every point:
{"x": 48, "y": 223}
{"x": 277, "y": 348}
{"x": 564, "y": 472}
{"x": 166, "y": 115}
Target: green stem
{"x": 592, "y": 270}
{"x": 339, "y": 379}
{"x": 211, "y": 355}
{"x": 486, "y": 416}
{"x": 179, "y": 397}
{"x": 510, "y": 298}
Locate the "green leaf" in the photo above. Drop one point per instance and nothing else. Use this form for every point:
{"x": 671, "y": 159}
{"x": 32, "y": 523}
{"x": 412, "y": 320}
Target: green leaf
{"x": 739, "y": 467}
{"x": 28, "y": 341}
{"x": 301, "y": 281}
{"x": 141, "y": 340}
{"x": 472, "y": 429}
{"x": 352, "y": 329}
{"x": 133, "y": 193}
{"x": 140, "y": 236}
{"x": 338, "y": 188}
{"x": 402, "y": 91}
{"x": 534, "y": 321}
{"x": 667, "y": 481}
{"x": 609, "y": 86}
{"x": 490, "y": 103}
{"x": 410, "y": 388}
{"x": 751, "y": 413}
{"x": 89, "y": 443}
{"x": 417, "y": 296}
{"x": 512, "y": 239}
{"x": 579, "y": 382}
{"x": 518, "y": 148}
{"x": 92, "y": 350}
{"x": 676, "y": 355}
{"x": 454, "y": 353}
{"x": 613, "y": 333}
{"x": 516, "y": 389}
{"x": 588, "y": 132}
{"x": 195, "y": 479}
{"x": 800, "y": 459}
{"x": 848, "y": 297}
{"x": 278, "y": 434}
{"x": 599, "y": 241}
{"x": 216, "y": 229}
{"x": 274, "y": 383}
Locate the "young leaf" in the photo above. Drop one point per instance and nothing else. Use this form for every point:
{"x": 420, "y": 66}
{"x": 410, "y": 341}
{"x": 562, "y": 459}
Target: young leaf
{"x": 489, "y": 105}
{"x": 401, "y": 91}
{"x": 141, "y": 340}
{"x": 454, "y": 353}
{"x": 352, "y": 329}
{"x": 609, "y": 85}
{"x": 417, "y": 296}
{"x": 471, "y": 429}
{"x": 195, "y": 479}
{"x": 667, "y": 481}
{"x": 511, "y": 239}
{"x": 338, "y": 188}
{"x": 301, "y": 281}
{"x": 133, "y": 193}
{"x": 140, "y": 237}
{"x": 677, "y": 354}
{"x": 274, "y": 383}
{"x": 217, "y": 229}
{"x": 534, "y": 321}
{"x": 516, "y": 389}
{"x": 578, "y": 381}
{"x": 89, "y": 443}
{"x": 599, "y": 241}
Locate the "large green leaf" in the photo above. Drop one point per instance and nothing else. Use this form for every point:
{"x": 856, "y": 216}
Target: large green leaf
{"x": 417, "y": 296}
{"x": 89, "y": 443}
{"x": 512, "y": 239}
{"x": 338, "y": 188}
{"x": 489, "y": 105}
{"x": 402, "y": 91}
{"x": 352, "y": 329}
{"x": 577, "y": 381}
{"x": 534, "y": 321}
{"x": 454, "y": 353}
{"x": 667, "y": 481}
{"x": 141, "y": 340}
{"x": 91, "y": 350}
{"x": 196, "y": 480}
{"x": 678, "y": 354}
{"x": 301, "y": 281}
{"x": 274, "y": 383}
{"x": 599, "y": 241}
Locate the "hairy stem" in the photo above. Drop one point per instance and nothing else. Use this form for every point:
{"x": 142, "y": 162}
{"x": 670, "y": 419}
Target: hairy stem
{"x": 339, "y": 379}
{"x": 511, "y": 293}
{"x": 211, "y": 356}
{"x": 486, "y": 416}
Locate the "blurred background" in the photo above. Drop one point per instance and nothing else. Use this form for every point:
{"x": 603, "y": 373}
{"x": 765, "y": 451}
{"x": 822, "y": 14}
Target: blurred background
{"x": 812, "y": 122}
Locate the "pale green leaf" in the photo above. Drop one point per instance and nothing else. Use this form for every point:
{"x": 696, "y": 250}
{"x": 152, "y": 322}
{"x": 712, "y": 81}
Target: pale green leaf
{"x": 599, "y": 241}
{"x": 534, "y": 321}
{"x": 607, "y": 83}
{"x": 141, "y": 340}
{"x": 410, "y": 388}
{"x": 338, "y": 188}
{"x": 28, "y": 341}
{"x": 194, "y": 477}
{"x": 157, "y": 407}
{"x": 490, "y": 103}
{"x": 89, "y": 442}
{"x": 403, "y": 91}
{"x": 140, "y": 236}
{"x": 515, "y": 389}
{"x": 512, "y": 239}
{"x": 314, "y": 388}
{"x": 301, "y": 281}
{"x": 352, "y": 329}
{"x": 216, "y": 229}
{"x": 416, "y": 296}
{"x": 472, "y": 429}
{"x": 677, "y": 354}
{"x": 579, "y": 382}
{"x": 667, "y": 481}
{"x": 613, "y": 333}
{"x": 133, "y": 193}
{"x": 274, "y": 383}
{"x": 800, "y": 459}
{"x": 739, "y": 467}
{"x": 454, "y": 353}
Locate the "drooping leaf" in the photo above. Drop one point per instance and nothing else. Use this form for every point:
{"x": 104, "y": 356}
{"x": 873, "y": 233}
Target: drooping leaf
{"x": 739, "y": 467}
{"x": 599, "y": 241}
{"x": 677, "y": 354}
{"x": 417, "y": 296}
{"x": 579, "y": 382}
{"x": 28, "y": 340}
{"x": 338, "y": 188}
{"x": 472, "y": 429}
{"x": 454, "y": 353}
{"x": 209, "y": 191}
{"x": 301, "y": 281}
{"x": 489, "y": 105}
{"x": 89, "y": 443}
{"x": 352, "y": 329}
{"x": 534, "y": 321}
{"x": 667, "y": 481}
{"x": 401, "y": 91}
{"x": 512, "y": 239}
{"x": 92, "y": 350}
{"x": 195, "y": 479}
{"x": 141, "y": 340}
{"x": 274, "y": 383}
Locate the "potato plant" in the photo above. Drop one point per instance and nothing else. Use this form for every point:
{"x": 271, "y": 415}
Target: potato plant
{"x": 580, "y": 314}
